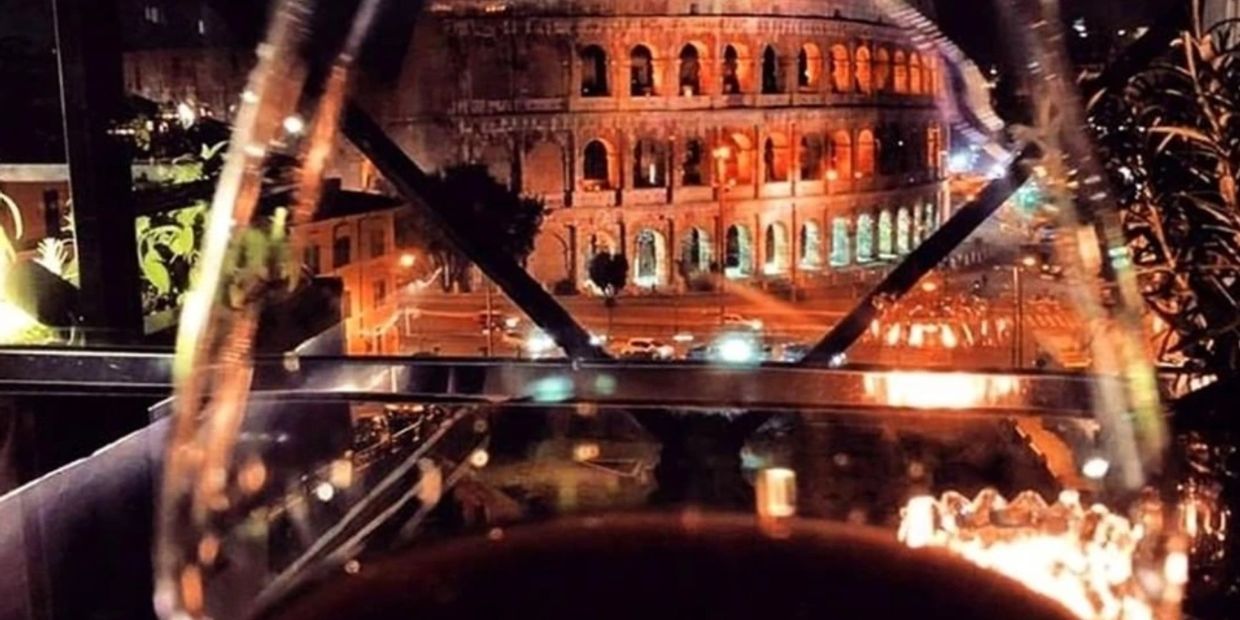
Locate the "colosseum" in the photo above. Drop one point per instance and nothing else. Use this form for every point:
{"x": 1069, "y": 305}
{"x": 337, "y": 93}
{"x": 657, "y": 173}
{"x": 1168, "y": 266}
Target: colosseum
{"x": 792, "y": 140}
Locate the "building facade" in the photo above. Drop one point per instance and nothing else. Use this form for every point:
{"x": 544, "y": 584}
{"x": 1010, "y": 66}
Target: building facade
{"x": 774, "y": 142}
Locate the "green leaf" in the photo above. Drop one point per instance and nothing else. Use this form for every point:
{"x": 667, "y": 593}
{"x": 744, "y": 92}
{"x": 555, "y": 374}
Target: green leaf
{"x": 156, "y": 272}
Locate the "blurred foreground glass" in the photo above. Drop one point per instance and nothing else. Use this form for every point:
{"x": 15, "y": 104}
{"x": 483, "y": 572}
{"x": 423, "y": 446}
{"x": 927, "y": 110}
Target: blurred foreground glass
{"x": 940, "y": 442}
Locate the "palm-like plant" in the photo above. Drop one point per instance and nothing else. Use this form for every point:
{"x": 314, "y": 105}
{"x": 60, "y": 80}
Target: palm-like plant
{"x": 1171, "y": 138}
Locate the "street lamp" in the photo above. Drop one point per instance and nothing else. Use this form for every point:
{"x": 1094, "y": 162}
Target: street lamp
{"x": 1018, "y": 289}
{"x": 407, "y": 260}
{"x": 722, "y": 154}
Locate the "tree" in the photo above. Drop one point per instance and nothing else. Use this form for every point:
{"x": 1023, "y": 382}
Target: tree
{"x": 515, "y": 220}
{"x": 1169, "y": 138}
{"x": 609, "y": 272}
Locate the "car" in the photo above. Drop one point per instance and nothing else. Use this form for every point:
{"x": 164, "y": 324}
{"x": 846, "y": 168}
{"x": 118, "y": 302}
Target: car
{"x": 736, "y": 320}
{"x": 646, "y": 348}
{"x": 497, "y": 321}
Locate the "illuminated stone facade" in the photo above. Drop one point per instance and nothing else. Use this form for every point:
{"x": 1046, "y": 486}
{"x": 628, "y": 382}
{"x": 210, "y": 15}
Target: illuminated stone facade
{"x": 791, "y": 139}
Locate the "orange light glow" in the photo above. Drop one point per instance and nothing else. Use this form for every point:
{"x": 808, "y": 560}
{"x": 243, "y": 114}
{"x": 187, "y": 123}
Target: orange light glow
{"x": 777, "y": 493}
{"x": 931, "y": 390}
{"x": 408, "y": 260}
{"x": 1084, "y": 558}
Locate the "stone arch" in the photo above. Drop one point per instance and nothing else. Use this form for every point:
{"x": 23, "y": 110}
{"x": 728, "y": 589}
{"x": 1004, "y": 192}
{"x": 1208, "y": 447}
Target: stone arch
{"x": 543, "y": 169}
{"x": 770, "y": 70}
{"x": 865, "y": 238}
{"x": 735, "y": 74}
{"x": 695, "y": 252}
{"x": 842, "y": 154}
{"x": 777, "y": 250}
{"x": 694, "y": 163}
{"x": 551, "y": 261}
{"x": 598, "y": 165}
{"x": 841, "y": 70}
{"x": 864, "y": 69}
{"x": 594, "y": 71}
{"x": 919, "y": 223}
{"x": 691, "y": 69}
{"x": 642, "y": 73}
{"x": 812, "y": 157}
{"x": 886, "y": 234}
{"x": 867, "y": 150}
{"x": 810, "y": 245}
{"x": 882, "y": 70}
{"x": 650, "y": 258}
{"x": 841, "y": 241}
{"x": 900, "y": 66}
{"x": 915, "y": 85}
{"x": 497, "y": 157}
{"x": 809, "y": 67}
{"x": 904, "y": 225}
{"x": 738, "y": 252}
{"x": 543, "y": 74}
{"x": 649, "y": 163}
{"x": 775, "y": 156}
{"x": 739, "y": 165}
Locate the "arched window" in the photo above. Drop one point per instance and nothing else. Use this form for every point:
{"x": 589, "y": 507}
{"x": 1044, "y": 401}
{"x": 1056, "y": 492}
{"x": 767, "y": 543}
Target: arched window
{"x": 901, "y": 70}
{"x": 931, "y": 67}
{"x": 904, "y": 225}
{"x": 841, "y": 248}
{"x": 811, "y": 245}
{"x": 596, "y": 166}
{"x": 593, "y": 72}
{"x": 693, "y": 166}
{"x": 777, "y": 256}
{"x": 690, "y": 71}
{"x": 641, "y": 70}
{"x": 915, "y": 85}
{"x": 882, "y": 70}
{"x": 919, "y": 223}
{"x": 865, "y": 238}
{"x": 770, "y": 71}
{"x": 738, "y": 252}
{"x": 731, "y": 71}
{"x": 695, "y": 253}
{"x": 886, "y": 235}
{"x": 649, "y": 163}
{"x": 811, "y": 157}
{"x": 809, "y": 67}
{"x": 866, "y": 150}
{"x": 775, "y": 158}
{"x": 841, "y": 156}
{"x": 841, "y": 74}
{"x": 650, "y": 266}
{"x": 864, "y": 68}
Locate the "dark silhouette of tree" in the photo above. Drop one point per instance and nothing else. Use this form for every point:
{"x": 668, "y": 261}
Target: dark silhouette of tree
{"x": 476, "y": 196}
{"x": 609, "y": 272}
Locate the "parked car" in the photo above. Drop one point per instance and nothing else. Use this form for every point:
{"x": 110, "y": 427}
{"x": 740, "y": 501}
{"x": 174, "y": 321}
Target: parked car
{"x": 497, "y": 321}
{"x": 647, "y": 348}
{"x": 736, "y": 320}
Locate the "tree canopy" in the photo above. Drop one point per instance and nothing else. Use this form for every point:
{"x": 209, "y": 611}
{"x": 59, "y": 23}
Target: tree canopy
{"x": 513, "y": 219}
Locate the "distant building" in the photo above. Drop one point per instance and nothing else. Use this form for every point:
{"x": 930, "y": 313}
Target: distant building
{"x": 354, "y": 237}
{"x": 776, "y": 142}
{"x": 822, "y": 112}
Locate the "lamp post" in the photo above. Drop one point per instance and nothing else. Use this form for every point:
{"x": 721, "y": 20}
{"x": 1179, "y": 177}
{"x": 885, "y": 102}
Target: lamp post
{"x": 1018, "y": 290}
{"x": 722, "y": 154}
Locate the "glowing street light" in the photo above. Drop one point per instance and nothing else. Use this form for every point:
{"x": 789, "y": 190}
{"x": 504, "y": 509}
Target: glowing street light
{"x": 294, "y": 125}
{"x": 1096, "y": 468}
{"x": 407, "y": 260}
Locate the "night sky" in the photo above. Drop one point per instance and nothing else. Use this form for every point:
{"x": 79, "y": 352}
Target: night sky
{"x": 29, "y": 122}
